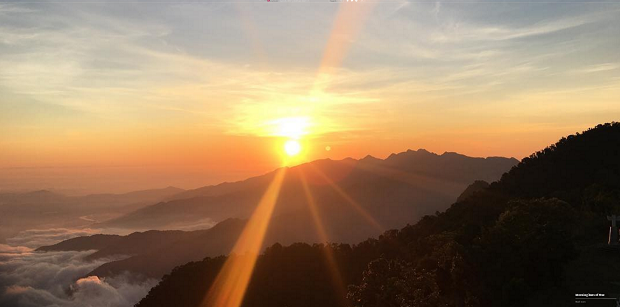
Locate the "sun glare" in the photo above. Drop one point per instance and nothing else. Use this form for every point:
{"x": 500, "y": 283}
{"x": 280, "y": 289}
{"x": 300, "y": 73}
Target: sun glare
{"x": 292, "y": 148}
{"x": 233, "y": 279}
{"x": 291, "y": 127}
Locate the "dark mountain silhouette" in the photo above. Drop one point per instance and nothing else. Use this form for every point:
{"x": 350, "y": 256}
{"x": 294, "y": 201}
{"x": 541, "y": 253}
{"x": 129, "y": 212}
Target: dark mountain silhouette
{"x": 396, "y": 190}
{"x": 392, "y": 196}
{"x": 139, "y": 242}
{"x": 530, "y": 239}
{"x": 477, "y": 186}
{"x": 94, "y": 242}
{"x": 147, "y": 252}
{"x": 114, "y": 245}
{"x": 158, "y": 259}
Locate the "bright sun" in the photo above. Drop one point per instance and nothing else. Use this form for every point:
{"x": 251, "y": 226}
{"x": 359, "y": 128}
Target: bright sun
{"x": 292, "y": 148}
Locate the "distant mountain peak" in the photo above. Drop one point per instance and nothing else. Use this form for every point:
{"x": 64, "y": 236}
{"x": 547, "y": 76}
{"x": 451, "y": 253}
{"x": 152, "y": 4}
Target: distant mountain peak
{"x": 421, "y": 152}
{"x": 369, "y": 158}
{"x": 451, "y": 153}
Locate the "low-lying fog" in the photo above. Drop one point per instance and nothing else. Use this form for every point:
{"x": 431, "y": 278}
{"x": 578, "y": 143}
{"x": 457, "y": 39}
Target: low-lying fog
{"x": 29, "y": 278}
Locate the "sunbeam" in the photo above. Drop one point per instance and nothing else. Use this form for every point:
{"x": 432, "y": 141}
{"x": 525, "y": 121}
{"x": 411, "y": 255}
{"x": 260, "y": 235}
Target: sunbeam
{"x": 371, "y": 220}
{"x": 347, "y": 25}
{"x": 250, "y": 28}
{"x": 415, "y": 180}
{"x": 329, "y": 255}
{"x": 231, "y": 283}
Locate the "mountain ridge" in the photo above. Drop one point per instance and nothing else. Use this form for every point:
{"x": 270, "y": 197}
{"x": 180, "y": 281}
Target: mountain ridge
{"x": 459, "y": 257}
{"x": 420, "y": 167}
{"x": 391, "y": 196}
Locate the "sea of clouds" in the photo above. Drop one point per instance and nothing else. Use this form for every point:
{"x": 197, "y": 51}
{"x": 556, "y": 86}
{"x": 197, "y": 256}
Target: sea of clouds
{"x": 29, "y": 278}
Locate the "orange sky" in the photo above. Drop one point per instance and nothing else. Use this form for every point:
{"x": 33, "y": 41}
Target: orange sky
{"x": 128, "y": 162}
{"x": 115, "y": 98}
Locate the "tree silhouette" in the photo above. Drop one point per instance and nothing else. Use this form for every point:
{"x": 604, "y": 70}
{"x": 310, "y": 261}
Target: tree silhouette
{"x": 506, "y": 245}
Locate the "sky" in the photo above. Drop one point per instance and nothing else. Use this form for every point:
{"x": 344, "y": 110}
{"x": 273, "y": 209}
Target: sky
{"x": 116, "y": 96}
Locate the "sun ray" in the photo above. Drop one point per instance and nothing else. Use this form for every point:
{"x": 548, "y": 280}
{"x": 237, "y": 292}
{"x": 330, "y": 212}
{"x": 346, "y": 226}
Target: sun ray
{"x": 250, "y": 27}
{"x": 371, "y": 220}
{"x": 328, "y": 252}
{"x": 416, "y": 180}
{"x": 347, "y": 25}
{"x": 231, "y": 283}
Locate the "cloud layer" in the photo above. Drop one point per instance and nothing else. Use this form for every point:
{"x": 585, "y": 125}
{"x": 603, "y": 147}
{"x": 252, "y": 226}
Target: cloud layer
{"x": 29, "y": 278}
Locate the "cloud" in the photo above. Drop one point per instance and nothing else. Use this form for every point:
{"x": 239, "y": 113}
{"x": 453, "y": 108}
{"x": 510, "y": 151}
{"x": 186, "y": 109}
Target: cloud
{"x": 7, "y": 252}
{"x": 116, "y": 291}
{"x": 90, "y": 291}
{"x": 4, "y": 248}
{"x": 597, "y": 68}
{"x": 11, "y": 9}
{"x": 29, "y": 278}
{"x": 56, "y": 279}
{"x": 116, "y": 68}
{"x": 470, "y": 32}
{"x": 191, "y": 226}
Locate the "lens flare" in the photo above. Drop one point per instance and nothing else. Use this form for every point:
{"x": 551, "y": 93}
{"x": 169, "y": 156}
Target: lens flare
{"x": 354, "y": 204}
{"x": 232, "y": 281}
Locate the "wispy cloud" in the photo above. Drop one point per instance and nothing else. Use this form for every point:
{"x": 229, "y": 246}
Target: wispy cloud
{"x": 113, "y": 68}
{"x": 457, "y": 32}
{"x": 596, "y": 68}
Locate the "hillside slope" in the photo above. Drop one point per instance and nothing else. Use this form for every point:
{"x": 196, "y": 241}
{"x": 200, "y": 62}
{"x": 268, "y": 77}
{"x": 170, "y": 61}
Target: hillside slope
{"x": 147, "y": 252}
{"x": 530, "y": 239}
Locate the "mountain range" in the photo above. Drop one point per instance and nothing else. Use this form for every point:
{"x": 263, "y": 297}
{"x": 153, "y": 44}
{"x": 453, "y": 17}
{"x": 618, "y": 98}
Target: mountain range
{"x": 394, "y": 192}
{"x": 418, "y": 182}
{"x": 535, "y": 237}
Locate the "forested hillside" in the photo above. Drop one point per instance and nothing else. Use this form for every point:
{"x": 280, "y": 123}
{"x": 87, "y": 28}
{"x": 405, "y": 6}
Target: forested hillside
{"x": 531, "y": 239}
